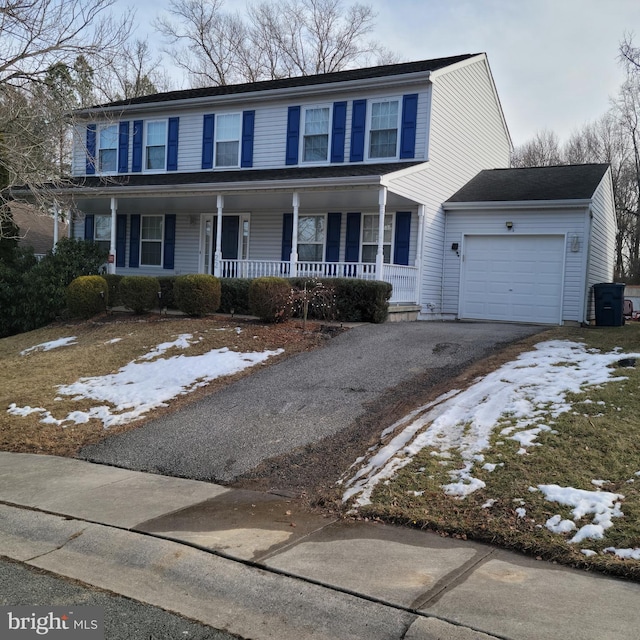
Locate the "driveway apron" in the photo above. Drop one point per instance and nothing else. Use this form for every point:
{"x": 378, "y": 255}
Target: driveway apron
{"x": 300, "y": 400}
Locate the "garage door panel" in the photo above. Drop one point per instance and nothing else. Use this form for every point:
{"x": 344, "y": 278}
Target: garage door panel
{"x": 513, "y": 278}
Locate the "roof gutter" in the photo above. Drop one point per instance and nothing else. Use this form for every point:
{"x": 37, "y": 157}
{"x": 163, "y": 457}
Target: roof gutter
{"x": 517, "y": 204}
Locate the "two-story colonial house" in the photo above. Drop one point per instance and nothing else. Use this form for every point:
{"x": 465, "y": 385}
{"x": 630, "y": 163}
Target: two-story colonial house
{"x": 342, "y": 175}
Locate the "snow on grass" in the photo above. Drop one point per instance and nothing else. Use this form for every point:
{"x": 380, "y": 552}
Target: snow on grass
{"x": 146, "y": 384}
{"x": 527, "y": 390}
{"x": 53, "y": 344}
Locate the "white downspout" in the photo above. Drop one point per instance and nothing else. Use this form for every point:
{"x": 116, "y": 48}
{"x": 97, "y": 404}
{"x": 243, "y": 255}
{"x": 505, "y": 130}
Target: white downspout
{"x": 56, "y": 215}
{"x": 382, "y": 204}
{"x": 294, "y": 236}
{"x": 112, "y": 242}
{"x": 217, "y": 258}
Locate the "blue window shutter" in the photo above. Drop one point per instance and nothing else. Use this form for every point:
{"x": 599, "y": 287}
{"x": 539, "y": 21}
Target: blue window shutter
{"x": 169, "y": 241}
{"x": 408, "y": 131}
{"x": 352, "y": 243}
{"x": 248, "y": 126}
{"x": 88, "y": 227}
{"x": 172, "y": 145}
{"x": 339, "y": 131}
{"x": 91, "y": 150}
{"x": 332, "y": 251}
{"x": 287, "y": 236}
{"x": 136, "y": 161}
{"x": 293, "y": 135}
{"x": 401, "y": 240}
{"x": 123, "y": 148}
{"x": 358, "y": 130}
{"x": 121, "y": 239}
{"x": 208, "y": 125}
{"x": 134, "y": 241}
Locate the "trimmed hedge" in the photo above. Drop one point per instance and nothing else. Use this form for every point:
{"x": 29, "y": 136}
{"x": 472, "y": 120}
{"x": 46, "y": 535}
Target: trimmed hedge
{"x": 234, "y": 296}
{"x": 269, "y": 299}
{"x": 87, "y": 296}
{"x": 197, "y": 294}
{"x": 139, "y": 293}
{"x": 356, "y": 300}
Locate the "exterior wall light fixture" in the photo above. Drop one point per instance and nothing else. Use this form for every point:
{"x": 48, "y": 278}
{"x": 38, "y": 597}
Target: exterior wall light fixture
{"x": 509, "y": 225}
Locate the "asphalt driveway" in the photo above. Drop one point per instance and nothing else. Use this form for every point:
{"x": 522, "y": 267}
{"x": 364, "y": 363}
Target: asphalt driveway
{"x": 301, "y": 400}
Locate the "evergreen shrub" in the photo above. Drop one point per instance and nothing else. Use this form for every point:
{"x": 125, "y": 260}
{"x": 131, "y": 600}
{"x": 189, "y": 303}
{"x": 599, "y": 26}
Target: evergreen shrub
{"x": 139, "y": 293}
{"x": 87, "y": 296}
{"x": 197, "y": 294}
{"x": 235, "y": 295}
{"x": 270, "y": 299}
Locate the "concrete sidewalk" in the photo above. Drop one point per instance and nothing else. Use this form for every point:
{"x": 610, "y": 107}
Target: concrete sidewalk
{"x": 259, "y": 566}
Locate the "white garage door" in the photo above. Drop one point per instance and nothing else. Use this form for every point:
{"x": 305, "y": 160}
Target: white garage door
{"x": 513, "y": 278}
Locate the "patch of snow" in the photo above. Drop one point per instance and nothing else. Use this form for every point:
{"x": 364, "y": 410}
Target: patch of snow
{"x": 181, "y": 342}
{"x": 556, "y": 524}
{"x": 53, "y": 344}
{"x": 489, "y": 503}
{"x": 624, "y": 554}
{"x": 599, "y": 483}
{"x": 588, "y": 552}
{"x": 521, "y": 512}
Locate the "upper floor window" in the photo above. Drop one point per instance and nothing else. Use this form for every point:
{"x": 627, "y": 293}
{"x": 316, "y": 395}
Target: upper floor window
{"x": 315, "y": 138}
{"x": 383, "y": 129}
{"x": 155, "y": 152}
{"x": 311, "y": 238}
{"x": 151, "y": 236}
{"x": 370, "y": 234}
{"x": 107, "y": 148}
{"x": 227, "y": 146}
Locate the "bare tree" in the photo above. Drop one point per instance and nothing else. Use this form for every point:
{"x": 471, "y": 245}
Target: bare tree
{"x": 278, "y": 39}
{"x": 542, "y": 151}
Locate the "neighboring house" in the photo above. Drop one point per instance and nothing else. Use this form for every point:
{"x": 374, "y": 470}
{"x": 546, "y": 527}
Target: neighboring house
{"x": 36, "y": 229}
{"x": 341, "y": 174}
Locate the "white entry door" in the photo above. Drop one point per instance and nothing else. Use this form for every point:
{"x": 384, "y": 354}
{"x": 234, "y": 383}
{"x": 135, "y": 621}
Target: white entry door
{"x": 512, "y": 278}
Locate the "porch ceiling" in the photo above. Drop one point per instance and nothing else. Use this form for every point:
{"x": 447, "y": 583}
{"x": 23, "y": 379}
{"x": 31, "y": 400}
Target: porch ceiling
{"x": 317, "y": 201}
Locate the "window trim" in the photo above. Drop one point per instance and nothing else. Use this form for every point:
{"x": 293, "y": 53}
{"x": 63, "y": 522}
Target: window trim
{"x": 371, "y": 102}
{"x": 160, "y": 265}
{"x": 216, "y": 131}
{"x": 99, "y": 148}
{"x": 391, "y": 242}
{"x": 165, "y": 121}
{"x": 324, "y": 240}
{"x": 303, "y": 112}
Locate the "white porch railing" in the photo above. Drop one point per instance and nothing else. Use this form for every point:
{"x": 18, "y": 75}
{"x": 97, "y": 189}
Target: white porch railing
{"x": 403, "y": 279}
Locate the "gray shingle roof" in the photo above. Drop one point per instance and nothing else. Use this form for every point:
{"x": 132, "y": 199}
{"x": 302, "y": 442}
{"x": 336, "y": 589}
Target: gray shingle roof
{"x": 565, "y": 182}
{"x": 301, "y": 81}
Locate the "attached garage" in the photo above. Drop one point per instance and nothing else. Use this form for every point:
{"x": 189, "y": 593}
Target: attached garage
{"x": 526, "y": 245}
{"x": 512, "y": 278}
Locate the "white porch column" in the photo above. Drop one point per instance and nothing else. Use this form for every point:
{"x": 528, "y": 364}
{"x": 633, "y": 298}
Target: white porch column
{"x": 112, "y": 243}
{"x": 217, "y": 257}
{"x": 294, "y": 235}
{"x": 419, "y": 251}
{"x": 382, "y": 202}
{"x": 56, "y": 215}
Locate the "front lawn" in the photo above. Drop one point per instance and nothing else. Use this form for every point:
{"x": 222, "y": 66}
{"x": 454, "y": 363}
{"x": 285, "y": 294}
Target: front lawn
{"x": 542, "y": 455}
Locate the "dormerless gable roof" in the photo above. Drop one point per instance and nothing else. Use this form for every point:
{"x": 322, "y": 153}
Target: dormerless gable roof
{"x": 301, "y": 81}
{"x": 565, "y": 182}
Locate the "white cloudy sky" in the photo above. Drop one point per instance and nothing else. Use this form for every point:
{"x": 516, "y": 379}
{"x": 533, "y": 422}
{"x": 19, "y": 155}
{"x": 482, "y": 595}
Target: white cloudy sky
{"x": 554, "y": 61}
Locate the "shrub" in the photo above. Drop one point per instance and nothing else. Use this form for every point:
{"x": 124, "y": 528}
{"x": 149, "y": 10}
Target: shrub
{"x": 269, "y": 299}
{"x": 362, "y": 300}
{"x": 113, "y": 283}
{"x": 314, "y": 298}
{"x": 197, "y": 294}
{"x": 234, "y": 296}
{"x": 87, "y": 296}
{"x": 166, "y": 292}
{"x": 139, "y": 293}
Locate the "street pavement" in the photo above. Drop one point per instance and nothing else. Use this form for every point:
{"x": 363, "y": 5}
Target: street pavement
{"x": 259, "y": 566}
{"x": 301, "y": 400}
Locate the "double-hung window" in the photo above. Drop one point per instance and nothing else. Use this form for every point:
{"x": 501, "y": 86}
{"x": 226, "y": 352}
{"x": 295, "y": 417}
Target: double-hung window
{"x": 370, "y": 237}
{"x": 383, "y": 129}
{"x": 227, "y": 147}
{"x": 102, "y": 232}
{"x": 151, "y": 237}
{"x": 107, "y": 148}
{"x": 311, "y": 238}
{"x": 315, "y": 138}
{"x": 155, "y": 153}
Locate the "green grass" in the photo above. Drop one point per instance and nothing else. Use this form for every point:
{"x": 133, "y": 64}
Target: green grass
{"x": 597, "y": 440}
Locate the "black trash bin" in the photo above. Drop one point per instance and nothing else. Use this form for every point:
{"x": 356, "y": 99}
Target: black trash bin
{"x": 609, "y": 302}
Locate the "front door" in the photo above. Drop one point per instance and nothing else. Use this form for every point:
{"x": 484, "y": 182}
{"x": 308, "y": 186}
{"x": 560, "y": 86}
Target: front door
{"x": 230, "y": 241}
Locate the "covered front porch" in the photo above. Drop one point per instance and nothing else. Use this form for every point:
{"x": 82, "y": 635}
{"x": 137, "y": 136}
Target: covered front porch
{"x": 351, "y": 228}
